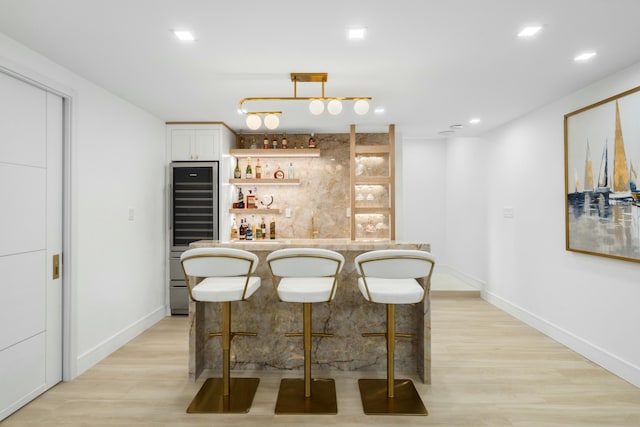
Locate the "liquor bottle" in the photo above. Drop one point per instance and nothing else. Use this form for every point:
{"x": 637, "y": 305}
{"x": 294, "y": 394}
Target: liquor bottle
{"x": 272, "y": 228}
{"x": 284, "y": 140}
{"x": 249, "y": 235}
{"x": 236, "y": 171}
{"x": 263, "y": 227}
{"x": 258, "y": 169}
{"x": 265, "y": 141}
{"x": 275, "y": 141}
{"x": 248, "y": 172}
{"x": 258, "y": 231}
{"x": 240, "y": 203}
{"x": 234, "y": 230}
{"x": 243, "y": 230}
{"x": 312, "y": 141}
{"x": 291, "y": 174}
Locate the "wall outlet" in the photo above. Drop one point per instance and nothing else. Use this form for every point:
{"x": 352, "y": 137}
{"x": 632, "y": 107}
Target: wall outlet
{"x": 348, "y": 212}
{"x": 287, "y": 212}
{"x": 131, "y": 214}
{"x": 508, "y": 212}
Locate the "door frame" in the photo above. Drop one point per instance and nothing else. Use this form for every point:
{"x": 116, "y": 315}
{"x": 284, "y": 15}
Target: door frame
{"x": 69, "y": 111}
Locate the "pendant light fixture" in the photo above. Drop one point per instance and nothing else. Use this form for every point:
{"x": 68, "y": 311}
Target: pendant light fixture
{"x": 316, "y": 105}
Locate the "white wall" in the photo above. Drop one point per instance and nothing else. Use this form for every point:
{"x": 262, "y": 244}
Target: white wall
{"x": 588, "y": 303}
{"x": 421, "y": 173}
{"x": 117, "y": 163}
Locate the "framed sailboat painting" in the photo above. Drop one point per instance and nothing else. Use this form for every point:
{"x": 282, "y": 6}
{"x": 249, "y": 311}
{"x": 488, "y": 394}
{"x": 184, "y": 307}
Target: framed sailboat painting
{"x": 602, "y": 191}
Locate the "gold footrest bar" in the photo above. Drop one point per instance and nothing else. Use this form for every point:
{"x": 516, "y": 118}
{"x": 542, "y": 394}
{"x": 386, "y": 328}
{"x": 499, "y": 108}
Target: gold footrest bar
{"x": 382, "y": 334}
{"x": 233, "y": 334}
{"x": 211, "y": 400}
{"x": 406, "y": 400}
{"x": 291, "y": 399}
{"x": 313, "y": 334}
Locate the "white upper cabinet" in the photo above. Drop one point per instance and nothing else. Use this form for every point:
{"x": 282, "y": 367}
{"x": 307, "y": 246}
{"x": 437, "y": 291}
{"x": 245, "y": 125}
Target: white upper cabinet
{"x": 194, "y": 144}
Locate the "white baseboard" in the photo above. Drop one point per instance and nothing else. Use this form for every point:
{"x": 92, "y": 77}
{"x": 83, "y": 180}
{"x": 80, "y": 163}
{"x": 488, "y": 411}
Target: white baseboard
{"x": 105, "y": 348}
{"x": 600, "y": 356}
{"x": 467, "y": 280}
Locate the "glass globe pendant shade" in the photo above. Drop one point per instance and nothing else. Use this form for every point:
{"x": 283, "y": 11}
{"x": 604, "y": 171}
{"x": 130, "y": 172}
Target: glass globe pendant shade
{"x": 361, "y": 107}
{"x": 253, "y": 121}
{"x": 316, "y": 107}
{"x": 334, "y": 107}
{"x": 271, "y": 121}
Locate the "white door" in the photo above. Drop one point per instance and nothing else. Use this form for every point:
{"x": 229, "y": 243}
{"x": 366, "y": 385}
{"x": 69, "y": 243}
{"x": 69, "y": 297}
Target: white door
{"x": 30, "y": 234}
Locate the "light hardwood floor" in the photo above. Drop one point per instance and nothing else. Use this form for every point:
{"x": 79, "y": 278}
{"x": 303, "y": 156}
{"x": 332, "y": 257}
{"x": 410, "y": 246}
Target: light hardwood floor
{"x": 488, "y": 370}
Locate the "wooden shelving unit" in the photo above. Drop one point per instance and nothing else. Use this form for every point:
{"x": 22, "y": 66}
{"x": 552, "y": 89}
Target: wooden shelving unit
{"x": 264, "y": 181}
{"x": 278, "y": 152}
{"x": 383, "y": 150}
{"x": 255, "y": 211}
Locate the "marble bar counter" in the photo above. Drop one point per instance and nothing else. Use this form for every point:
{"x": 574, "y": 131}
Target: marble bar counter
{"x": 347, "y": 317}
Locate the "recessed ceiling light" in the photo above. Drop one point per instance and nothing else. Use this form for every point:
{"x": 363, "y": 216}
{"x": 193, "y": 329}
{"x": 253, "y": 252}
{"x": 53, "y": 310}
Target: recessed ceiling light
{"x": 379, "y": 110}
{"x": 183, "y": 35}
{"x": 584, "y": 56}
{"x": 474, "y": 121}
{"x": 356, "y": 33}
{"x": 456, "y": 126}
{"x": 529, "y": 31}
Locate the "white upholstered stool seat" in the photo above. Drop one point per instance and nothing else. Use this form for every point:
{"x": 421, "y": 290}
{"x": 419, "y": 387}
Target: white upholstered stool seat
{"x": 306, "y": 275}
{"x": 220, "y": 289}
{"x": 391, "y": 277}
{"x": 222, "y": 275}
{"x": 391, "y": 291}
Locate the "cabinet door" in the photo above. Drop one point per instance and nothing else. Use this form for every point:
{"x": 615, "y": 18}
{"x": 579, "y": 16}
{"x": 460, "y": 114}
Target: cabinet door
{"x": 191, "y": 144}
{"x": 207, "y": 144}
{"x": 182, "y": 142}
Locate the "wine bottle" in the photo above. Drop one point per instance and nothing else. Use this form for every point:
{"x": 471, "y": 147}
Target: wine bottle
{"x": 249, "y": 235}
{"x": 291, "y": 174}
{"x": 234, "y": 230}
{"x": 272, "y": 228}
{"x": 243, "y": 230}
{"x": 240, "y": 203}
{"x": 258, "y": 169}
{"x": 265, "y": 141}
{"x": 236, "y": 171}
{"x": 248, "y": 174}
{"x": 275, "y": 141}
{"x": 263, "y": 227}
{"x": 284, "y": 140}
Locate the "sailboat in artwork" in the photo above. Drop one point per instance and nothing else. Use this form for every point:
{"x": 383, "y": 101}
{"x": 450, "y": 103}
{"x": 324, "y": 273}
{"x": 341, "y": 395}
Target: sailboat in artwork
{"x": 621, "y": 187}
{"x": 603, "y": 174}
{"x": 588, "y": 171}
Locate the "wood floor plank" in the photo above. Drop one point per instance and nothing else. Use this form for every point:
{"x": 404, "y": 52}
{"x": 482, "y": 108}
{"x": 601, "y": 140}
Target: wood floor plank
{"x": 489, "y": 369}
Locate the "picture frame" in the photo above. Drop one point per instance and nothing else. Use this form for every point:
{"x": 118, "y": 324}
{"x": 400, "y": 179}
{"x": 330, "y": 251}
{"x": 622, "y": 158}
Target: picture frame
{"x": 602, "y": 190}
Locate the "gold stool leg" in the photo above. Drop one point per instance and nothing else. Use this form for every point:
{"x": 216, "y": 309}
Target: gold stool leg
{"x": 308, "y": 395}
{"x": 390, "y": 396}
{"x": 226, "y": 394}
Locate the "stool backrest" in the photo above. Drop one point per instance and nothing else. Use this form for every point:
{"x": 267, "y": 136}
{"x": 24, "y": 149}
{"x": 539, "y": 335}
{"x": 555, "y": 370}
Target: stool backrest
{"x": 305, "y": 262}
{"x": 218, "y": 262}
{"x": 396, "y": 264}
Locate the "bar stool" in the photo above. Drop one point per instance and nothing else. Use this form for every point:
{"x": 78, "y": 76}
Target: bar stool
{"x": 306, "y": 275}
{"x": 222, "y": 275}
{"x": 389, "y": 277}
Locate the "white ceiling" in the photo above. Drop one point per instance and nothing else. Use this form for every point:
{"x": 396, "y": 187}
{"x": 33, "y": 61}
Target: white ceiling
{"x": 429, "y": 63}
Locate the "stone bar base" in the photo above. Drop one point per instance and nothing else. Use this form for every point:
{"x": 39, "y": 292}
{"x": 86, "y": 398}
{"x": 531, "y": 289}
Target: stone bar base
{"x": 347, "y": 317}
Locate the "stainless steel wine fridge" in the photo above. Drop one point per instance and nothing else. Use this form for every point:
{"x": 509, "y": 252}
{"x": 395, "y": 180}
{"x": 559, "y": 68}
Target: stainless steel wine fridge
{"x": 194, "y": 216}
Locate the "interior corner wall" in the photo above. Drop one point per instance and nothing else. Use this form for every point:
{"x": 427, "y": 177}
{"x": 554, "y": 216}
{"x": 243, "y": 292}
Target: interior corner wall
{"x": 586, "y": 302}
{"x": 116, "y": 212}
{"x": 420, "y": 207}
{"x": 465, "y": 209}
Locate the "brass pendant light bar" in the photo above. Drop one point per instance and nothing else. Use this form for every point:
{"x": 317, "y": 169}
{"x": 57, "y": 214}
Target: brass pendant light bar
{"x": 305, "y": 78}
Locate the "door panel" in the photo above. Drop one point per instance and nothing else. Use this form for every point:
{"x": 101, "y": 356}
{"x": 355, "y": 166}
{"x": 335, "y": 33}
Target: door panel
{"x": 31, "y": 141}
{"x": 22, "y": 306}
{"x": 23, "y": 214}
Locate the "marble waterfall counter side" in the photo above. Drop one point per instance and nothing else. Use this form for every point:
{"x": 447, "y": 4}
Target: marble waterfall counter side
{"x": 347, "y": 317}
